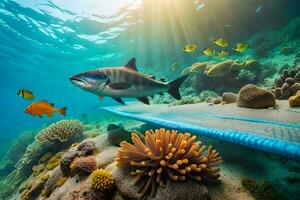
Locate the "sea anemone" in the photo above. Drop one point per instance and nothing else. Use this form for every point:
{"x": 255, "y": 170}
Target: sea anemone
{"x": 167, "y": 154}
{"x": 84, "y": 166}
{"x": 102, "y": 180}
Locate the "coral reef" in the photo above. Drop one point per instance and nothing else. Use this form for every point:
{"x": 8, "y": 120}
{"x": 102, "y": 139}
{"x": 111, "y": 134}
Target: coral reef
{"x": 51, "y": 183}
{"x": 84, "y": 166}
{"x": 54, "y": 161}
{"x": 294, "y": 101}
{"x": 16, "y": 151}
{"x": 204, "y": 96}
{"x": 262, "y": 191}
{"x": 167, "y": 154}
{"x": 251, "y": 96}
{"x": 102, "y": 180}
{"x": 67, "y": 160}
{"x": 116, "y": 134}
{"x": 86, "y": 147}
{"x": 239, "y": 74}
{"x": 288, "y": 83}
{"x": 61, "y": 131}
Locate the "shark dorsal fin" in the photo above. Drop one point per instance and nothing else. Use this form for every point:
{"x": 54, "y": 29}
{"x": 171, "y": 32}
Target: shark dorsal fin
{"x": 131, "y": 65}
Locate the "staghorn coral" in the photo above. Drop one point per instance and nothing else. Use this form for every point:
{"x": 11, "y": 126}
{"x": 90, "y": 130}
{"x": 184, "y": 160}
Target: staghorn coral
{"x": 251, "y": 96}
{"x": 102, "y": 180}
{"x": 83, "y": 166}
{"x": 61, "y": 131}
{"x": 167, "y": 154}
{"x": 66, "y": 161}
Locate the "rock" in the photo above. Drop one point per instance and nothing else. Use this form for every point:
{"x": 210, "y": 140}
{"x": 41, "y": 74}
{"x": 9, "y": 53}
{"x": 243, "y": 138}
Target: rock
{"x": 251, "y": 96}
{"x": 279, "y": 82}
{"x": 295, "y": 88}
{"x": 182, "y": 191}
{"x": 286, "y": 90}
{"x": 123, "y": 182}
{"x": 286, "y": 50}
{"x": 277, "y": 93}
{"x": 101, "y": 142}
{"x": 297, "y": 78}
{"x": 290, "y": 81}
{"x": 294, "y": 101}
{"x": 229, "y": 97}
{"x": 106, "y": 157}
{"x": 217, "y": 100}
{"x": 117, "y": 134}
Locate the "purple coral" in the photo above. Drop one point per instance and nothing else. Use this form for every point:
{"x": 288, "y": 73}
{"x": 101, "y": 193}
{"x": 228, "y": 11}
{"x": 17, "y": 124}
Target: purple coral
{"x": 50, "y": 185}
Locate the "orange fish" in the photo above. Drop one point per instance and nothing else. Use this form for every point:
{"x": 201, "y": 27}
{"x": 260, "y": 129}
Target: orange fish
{"x": 43, "y": 107}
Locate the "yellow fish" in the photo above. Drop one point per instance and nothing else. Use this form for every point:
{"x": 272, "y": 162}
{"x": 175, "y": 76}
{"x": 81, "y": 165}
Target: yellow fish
{"x": 26, "y": 94}
{"x": 190, "y": 48}
{"x": 174, "y": 66}
{"x": 223, "y": 53}
{"x": 221, "y": 42}
{"x": 209, "y": 52}
{"x": 240, "y": 47}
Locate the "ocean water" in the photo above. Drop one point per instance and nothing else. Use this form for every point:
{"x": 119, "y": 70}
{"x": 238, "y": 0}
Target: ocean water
{"x": 45, "y": 42}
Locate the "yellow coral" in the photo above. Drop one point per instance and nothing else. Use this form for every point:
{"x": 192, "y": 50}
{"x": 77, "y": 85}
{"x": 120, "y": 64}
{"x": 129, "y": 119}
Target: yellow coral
{"x": 102, "y": 180}
{"x": 164, "y": 154}
{"x": 294, "y": 101}
{"x": 54, "y": 161}
{"x": 45, "y": 177}
{"x": 61, "y": 181}
{"x": 74, "y": 145}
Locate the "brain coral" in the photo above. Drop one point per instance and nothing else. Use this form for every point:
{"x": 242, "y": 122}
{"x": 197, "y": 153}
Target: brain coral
{"x": 251, "y": 96}
{"x": 61, "y": 131}
{"x": 102, "y": 180}
{"x": 83, "y": 166}
{"x": 167, "y": 154}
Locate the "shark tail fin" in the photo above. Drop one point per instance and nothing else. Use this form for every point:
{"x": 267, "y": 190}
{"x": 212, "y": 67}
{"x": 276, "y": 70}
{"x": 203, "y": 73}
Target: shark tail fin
{"x": 174, "y": 86}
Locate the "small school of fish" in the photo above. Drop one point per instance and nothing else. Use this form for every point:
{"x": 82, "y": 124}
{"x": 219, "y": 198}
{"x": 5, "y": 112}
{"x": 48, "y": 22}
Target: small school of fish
{"x": 210, "y": 52}
{"x": 39, "y": 108}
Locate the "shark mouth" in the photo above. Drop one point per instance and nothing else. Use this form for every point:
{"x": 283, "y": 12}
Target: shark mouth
{"x": 78, "y": 82}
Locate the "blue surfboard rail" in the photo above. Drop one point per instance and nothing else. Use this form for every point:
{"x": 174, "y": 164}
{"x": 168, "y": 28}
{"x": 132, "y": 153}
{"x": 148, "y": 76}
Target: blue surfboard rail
{"x": 271, "y": 145}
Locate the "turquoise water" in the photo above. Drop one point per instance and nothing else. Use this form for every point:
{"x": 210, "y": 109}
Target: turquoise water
{"x": 44, "y": 43}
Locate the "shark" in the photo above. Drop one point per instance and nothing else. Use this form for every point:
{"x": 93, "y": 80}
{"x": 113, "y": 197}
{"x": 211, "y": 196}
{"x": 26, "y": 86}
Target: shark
{"x": 125, "y": 82}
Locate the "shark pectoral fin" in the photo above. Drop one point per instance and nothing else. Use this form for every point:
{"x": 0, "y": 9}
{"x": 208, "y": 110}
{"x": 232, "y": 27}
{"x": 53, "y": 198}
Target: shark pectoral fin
{"x": 131, "y": 65}
{"x": 101, "y": 98}
{"x": 145, "y": 100}
{"x": 119, "y": 85}
{"x": 119, "y": 100}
